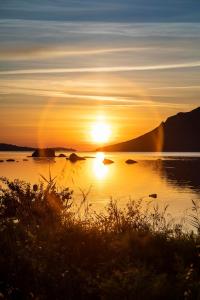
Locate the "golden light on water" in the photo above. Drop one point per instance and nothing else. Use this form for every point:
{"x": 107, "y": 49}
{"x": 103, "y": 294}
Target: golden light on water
{"x": 100, "y": 132}
{"x": 99, "y": 169}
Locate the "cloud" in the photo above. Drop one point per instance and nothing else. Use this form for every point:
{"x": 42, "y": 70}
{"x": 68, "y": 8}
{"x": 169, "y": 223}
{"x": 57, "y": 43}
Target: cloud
{"x": 42, "y": 52}
{"x": 189, "y": 87}
{"x": 104, "y": 10}
{"x": 38, "y": 97}
{"x": 103, "y": 69}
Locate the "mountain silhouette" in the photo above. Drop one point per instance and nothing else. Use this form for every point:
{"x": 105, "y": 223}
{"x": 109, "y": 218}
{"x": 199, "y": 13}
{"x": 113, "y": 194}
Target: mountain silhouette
{"x": 179, "y": 133}
{"x": 10, "y": 147}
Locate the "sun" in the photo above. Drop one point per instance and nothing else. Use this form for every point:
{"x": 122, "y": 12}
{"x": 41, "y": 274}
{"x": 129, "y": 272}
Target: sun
{"x": 100, "y": 132}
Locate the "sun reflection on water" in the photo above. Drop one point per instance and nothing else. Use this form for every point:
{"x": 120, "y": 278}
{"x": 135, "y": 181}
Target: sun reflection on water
{"x": 99, "y": 169}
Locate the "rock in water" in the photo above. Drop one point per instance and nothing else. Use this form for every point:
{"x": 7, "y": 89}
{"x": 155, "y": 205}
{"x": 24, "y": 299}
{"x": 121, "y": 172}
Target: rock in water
{"x": 10, "y": 160}
{"x": 61, "y": 155}
{"x": 130, "y": 161}
{"x": 153, "y": 196}
{"x": 107, "y": 161}
{"x": 44, "y": 153}
{"x": 74, "y": 157}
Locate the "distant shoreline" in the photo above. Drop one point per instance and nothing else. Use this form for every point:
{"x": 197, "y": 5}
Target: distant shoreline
{"x": 15, "y": 148}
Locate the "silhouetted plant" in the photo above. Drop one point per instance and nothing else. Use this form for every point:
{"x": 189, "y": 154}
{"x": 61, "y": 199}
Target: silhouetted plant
{"x": 195, "y": 216}
{"x": 27, "y": 204}
{"x": 50, "y": 252}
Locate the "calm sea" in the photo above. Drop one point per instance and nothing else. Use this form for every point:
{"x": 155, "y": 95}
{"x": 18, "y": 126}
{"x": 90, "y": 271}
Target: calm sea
{"x": 174, "y": 177}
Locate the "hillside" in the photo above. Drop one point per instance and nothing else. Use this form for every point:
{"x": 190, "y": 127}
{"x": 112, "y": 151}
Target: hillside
{"x": 180, "y": 132}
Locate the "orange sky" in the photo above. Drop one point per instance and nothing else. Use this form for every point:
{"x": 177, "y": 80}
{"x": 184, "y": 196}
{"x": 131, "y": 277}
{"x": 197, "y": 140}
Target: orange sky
{"x": 37, "y": 120}
{"x": 58, "y": 78}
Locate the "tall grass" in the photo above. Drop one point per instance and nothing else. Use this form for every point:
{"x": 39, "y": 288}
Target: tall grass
{"x": 50, "y": 251}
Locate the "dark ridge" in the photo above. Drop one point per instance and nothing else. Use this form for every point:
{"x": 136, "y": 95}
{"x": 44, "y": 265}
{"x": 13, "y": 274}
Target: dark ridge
{"x": 179, "y": 133}
{"x": 10, "y": 147}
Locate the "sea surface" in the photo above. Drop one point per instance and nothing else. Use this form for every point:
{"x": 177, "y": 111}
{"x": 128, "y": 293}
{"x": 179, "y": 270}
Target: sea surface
{"x": 174, "y": 177}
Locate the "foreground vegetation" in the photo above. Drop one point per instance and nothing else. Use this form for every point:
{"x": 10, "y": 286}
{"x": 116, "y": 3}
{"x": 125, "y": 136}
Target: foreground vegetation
{"x": 50, "y": 251}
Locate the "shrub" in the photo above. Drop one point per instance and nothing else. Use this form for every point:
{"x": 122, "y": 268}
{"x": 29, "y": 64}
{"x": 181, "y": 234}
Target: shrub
{"x": 49, "y": 252}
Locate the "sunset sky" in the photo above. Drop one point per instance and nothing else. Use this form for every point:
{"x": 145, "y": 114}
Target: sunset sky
{"x": 67, "y": 65}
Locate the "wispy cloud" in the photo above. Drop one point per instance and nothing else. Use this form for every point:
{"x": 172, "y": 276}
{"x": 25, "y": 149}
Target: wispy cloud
{"x": 42, "y": 52}
{"x": 189, "y": 87}
{"x": 66, "y": 99}
{"x": 103, "y": 69}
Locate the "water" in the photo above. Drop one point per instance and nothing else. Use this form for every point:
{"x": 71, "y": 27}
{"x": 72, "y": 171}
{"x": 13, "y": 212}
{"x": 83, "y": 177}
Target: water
{"x": 174, "y": 177}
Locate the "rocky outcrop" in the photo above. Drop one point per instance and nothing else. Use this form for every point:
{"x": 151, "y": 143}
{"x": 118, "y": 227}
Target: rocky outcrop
{"x": 107, "y": 161}
{"x": 61, "y": 155}
{"x": 130, "y": 161}
{"x": 153, "y": 196}
{"x": 74, "y": 158}
{"x": 48, "y": 152}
